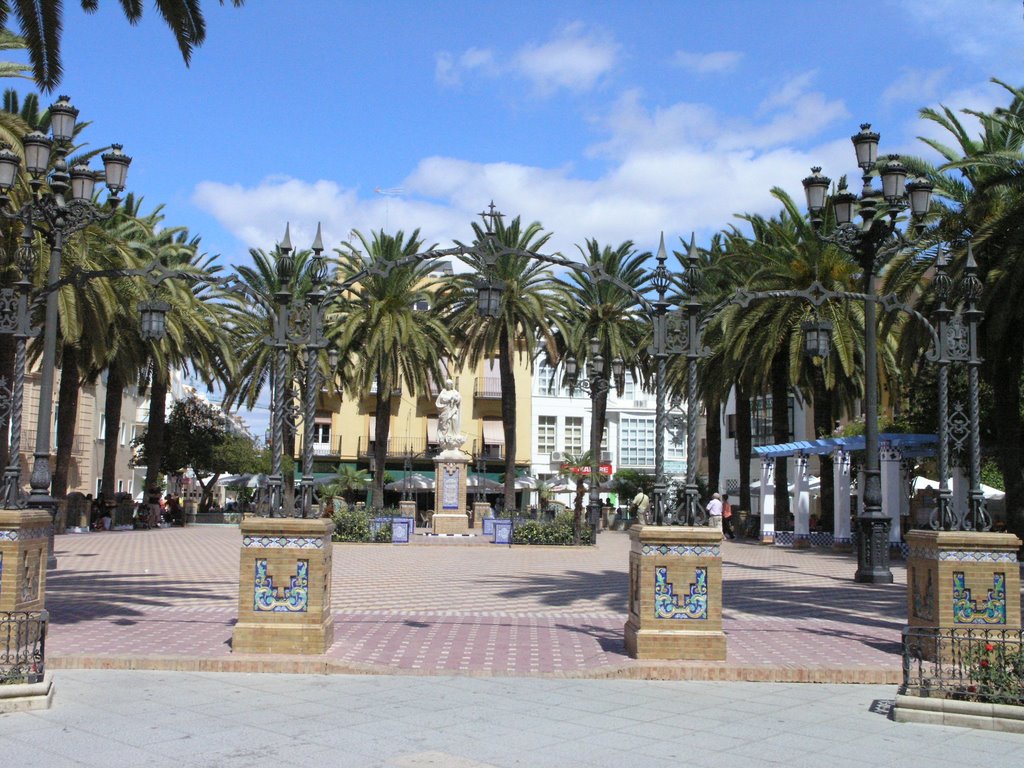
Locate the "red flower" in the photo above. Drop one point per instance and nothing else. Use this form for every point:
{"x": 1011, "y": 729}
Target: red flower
{"x": 989, "y": 647}
{"x": 984, "y": 662}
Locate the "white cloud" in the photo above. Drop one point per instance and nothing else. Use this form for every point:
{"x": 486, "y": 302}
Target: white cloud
{"x": 972, "y": 29}
{"x": 574, "y": 59}
{"x": 675, "y": 169}
{"x": 914, "y": 87}
{"x": 707, "y": 63}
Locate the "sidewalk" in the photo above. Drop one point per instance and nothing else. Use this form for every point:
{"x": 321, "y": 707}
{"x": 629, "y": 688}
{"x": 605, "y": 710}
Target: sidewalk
{"x": 182, "y": 719}
{"x": 167, "y": 599}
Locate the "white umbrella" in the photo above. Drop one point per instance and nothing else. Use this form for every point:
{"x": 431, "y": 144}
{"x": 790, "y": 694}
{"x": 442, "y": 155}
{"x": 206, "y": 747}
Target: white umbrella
{"x": 479, "y": 483}
{"x": 526, "y": 483}
{"x": 413, "y": 482}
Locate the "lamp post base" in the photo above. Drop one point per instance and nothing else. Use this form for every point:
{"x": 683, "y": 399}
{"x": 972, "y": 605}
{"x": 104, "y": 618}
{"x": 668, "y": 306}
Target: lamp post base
{"x": 873, "y": 550}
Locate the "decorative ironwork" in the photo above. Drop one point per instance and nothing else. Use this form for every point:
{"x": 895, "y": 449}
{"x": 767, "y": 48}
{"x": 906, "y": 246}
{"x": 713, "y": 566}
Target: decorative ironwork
{"x": 964, "y": 663}
{"x": 23, "y": 646}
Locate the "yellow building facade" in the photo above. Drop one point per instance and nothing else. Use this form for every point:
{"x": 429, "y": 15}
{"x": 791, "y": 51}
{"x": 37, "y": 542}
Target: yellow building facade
{"x": 344, "y": 429}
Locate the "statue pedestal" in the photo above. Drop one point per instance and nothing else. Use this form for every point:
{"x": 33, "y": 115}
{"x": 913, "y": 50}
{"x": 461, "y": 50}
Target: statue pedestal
{"x": 284, "y": 587}
{"x": 24, "y": 536}
{"x": 480, "y": 511}
{"x": 450, "y": 492}
{"x": 675, "y": 593}
{"x": 962, "y": 580}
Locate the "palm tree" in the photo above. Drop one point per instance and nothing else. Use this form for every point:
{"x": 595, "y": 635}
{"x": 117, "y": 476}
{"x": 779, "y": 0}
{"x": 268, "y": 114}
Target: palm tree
{"x": 382, "y": 338}
{"x": 576, "y": 467}
{"x": 525, "y": 317}
{"x": 41, "y": 21}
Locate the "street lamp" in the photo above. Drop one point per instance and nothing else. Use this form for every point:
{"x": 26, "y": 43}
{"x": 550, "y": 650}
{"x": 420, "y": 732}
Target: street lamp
{"x": 596, "y": 384}
{"x": 312, "y": 338}
{"x": 875, "y": 237}
{"x": 60, "y": 205}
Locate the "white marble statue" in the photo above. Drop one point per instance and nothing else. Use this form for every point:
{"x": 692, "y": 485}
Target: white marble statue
{"x": 448, "y": 403}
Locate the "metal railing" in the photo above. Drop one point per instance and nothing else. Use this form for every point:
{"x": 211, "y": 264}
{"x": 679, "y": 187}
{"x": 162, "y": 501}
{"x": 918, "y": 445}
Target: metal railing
{"x": 969, "y": 664}
{"x": 487, "y": 388}
{"x": 399, "y": 447}
{"x": 22, "y": 646}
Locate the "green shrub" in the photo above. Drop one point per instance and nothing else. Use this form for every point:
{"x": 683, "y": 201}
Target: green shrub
{"x": 557, "y": 532}
{"x": 351, "y": 525}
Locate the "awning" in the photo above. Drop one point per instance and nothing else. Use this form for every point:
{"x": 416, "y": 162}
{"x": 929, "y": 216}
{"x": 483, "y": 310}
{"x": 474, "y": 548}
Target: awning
{"x": 909, "y": 445}
{"x": 494, "y": 432}
{"x": 373, "y": 427}
{"x": 432, "y": 429}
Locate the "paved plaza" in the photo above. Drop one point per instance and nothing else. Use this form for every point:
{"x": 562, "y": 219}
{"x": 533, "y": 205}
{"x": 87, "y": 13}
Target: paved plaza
{"x": 106, "y": 718}
{"x": 470, "y": 655}
{"x": 167, "y": 599}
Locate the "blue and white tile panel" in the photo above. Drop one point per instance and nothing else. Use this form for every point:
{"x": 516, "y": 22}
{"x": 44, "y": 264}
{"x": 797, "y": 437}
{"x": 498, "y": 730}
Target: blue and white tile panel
{"x": 961, "y": 556}
{"x": 282, "y": 542}
{"x": 23, "y": 534}
{"x": 682, "y": 550}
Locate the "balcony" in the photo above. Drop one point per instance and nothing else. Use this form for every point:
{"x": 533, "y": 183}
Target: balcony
{"x": 331, "y": 447}
{"x": 396, "y": 392}
{"x": 398, "y": 447}
{"x": 487, "y": 388}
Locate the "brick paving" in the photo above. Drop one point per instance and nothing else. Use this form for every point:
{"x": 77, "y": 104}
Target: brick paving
{"x": 167, "y": 599}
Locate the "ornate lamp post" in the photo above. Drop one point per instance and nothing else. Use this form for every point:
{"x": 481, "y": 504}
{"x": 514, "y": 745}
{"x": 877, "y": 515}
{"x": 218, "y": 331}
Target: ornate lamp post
{"x": 869, "y": 242}
{"x": 596, "y": 384}
{"x": 60, "y": 205}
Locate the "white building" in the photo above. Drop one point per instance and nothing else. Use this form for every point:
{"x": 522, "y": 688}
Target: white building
{"x": 561, "y": 425}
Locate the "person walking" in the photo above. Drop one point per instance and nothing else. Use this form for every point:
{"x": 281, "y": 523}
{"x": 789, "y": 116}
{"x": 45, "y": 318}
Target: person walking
{"x": 641, "y": 505}
{"x": 727, "y": 517}
{"x": 715, "y": 511}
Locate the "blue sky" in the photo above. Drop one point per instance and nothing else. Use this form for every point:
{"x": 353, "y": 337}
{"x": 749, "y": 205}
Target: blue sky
{"x": 612, "y": 120}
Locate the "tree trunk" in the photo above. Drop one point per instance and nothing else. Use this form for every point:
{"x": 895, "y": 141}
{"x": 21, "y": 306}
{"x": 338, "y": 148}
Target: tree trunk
{"x": 744, "y": 444}
{"x": 508, "y": 417}
{"x": 67, "y": 415}
{"x": 713, "y": 430}
{"x": 1005, "y": 380}
{"x": 780, "y": 429}
{"x": 823, "y": 425}
{"x": 155, "y": 433}
{"x": 380, "y": 446}
{"x": 112, "y": 414}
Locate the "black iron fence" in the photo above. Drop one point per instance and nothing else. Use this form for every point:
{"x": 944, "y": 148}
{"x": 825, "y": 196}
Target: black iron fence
{"x": 22, "y": 646}
{"x": 969, "y": 664}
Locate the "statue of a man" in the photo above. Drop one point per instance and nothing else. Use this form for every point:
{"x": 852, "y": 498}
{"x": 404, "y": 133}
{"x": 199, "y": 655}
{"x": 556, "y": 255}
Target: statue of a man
{"x": 448, "y": 402}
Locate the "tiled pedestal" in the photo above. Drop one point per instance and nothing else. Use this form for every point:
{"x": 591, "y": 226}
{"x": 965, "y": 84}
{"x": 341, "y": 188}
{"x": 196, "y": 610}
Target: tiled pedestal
{"x": 23, "y": 549}
{"x": 675, "y": 593}
{"x": 284, "y": 587}
{"x": 450, "y": 493}
{"x": 963, "y": 580}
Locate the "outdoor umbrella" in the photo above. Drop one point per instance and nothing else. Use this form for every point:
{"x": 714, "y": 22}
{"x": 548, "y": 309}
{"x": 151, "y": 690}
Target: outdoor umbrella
{"x": 413, "y": 482}
{"x": 485, "y": 484}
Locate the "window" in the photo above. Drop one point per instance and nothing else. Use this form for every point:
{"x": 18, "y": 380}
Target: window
{"x": 761, "y": 421}
{"x": 421, "y": 305}
{"x": 103, "y": 427}
{"x": 730, "y": 426}
{"x": 574, "y": 434}
{"x": 123, "y": 436}
{"x": 636, "y": 442}
{"x": 629, "y": 389}
{"x": 120, "y": 486}
{"x": 545, "y": 378}
{"x": 546, "y": 434}
{"x": 321, "y": 437}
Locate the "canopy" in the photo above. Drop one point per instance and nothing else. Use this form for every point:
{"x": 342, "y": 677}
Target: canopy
{"x": 909, "y": 445}
{"x": 413, "y": 482}
{"x": 494, "y": 432}
{"x": 483, "y": 483}
{"x": 988, "y": 491}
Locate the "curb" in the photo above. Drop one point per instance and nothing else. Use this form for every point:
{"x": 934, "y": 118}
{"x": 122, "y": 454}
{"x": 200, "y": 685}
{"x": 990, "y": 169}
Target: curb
{"x": 318, "y": 665}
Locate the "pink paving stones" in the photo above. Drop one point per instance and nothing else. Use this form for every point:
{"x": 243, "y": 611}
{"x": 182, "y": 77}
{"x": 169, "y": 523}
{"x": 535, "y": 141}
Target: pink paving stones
{"x": 167, "y": 598}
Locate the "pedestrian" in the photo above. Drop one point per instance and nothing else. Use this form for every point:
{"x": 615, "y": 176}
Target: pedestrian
{"x": 715, "y": 511}
{"x": 727, "y": 517}
{"x": 641, "y": 504}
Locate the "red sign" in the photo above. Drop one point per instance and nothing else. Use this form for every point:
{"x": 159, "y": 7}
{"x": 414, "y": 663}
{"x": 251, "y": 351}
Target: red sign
{"x": 604, "y": 469}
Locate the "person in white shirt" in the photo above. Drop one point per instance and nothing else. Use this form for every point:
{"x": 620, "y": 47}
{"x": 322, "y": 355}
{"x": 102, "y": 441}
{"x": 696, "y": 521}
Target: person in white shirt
{"x": 641, "y": 503}
{"x": 715, "y": 511}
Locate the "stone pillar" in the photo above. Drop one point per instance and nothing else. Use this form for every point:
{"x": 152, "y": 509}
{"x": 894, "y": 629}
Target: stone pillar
{"x": 889, "y": 459}
{"x": 284, "y": 587}
{"x": 481, "y": 509}
{"x": 407, "y": 509}
{"x": 841, "y": 500}
{"x": 24, "y": 536}
{"x": 675, "y": 593}
{"x": 450, "y": 492}
{"x": 801, "y": 504}
{"x": 963, "y": 580}
{"x": 767, "y": 501}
